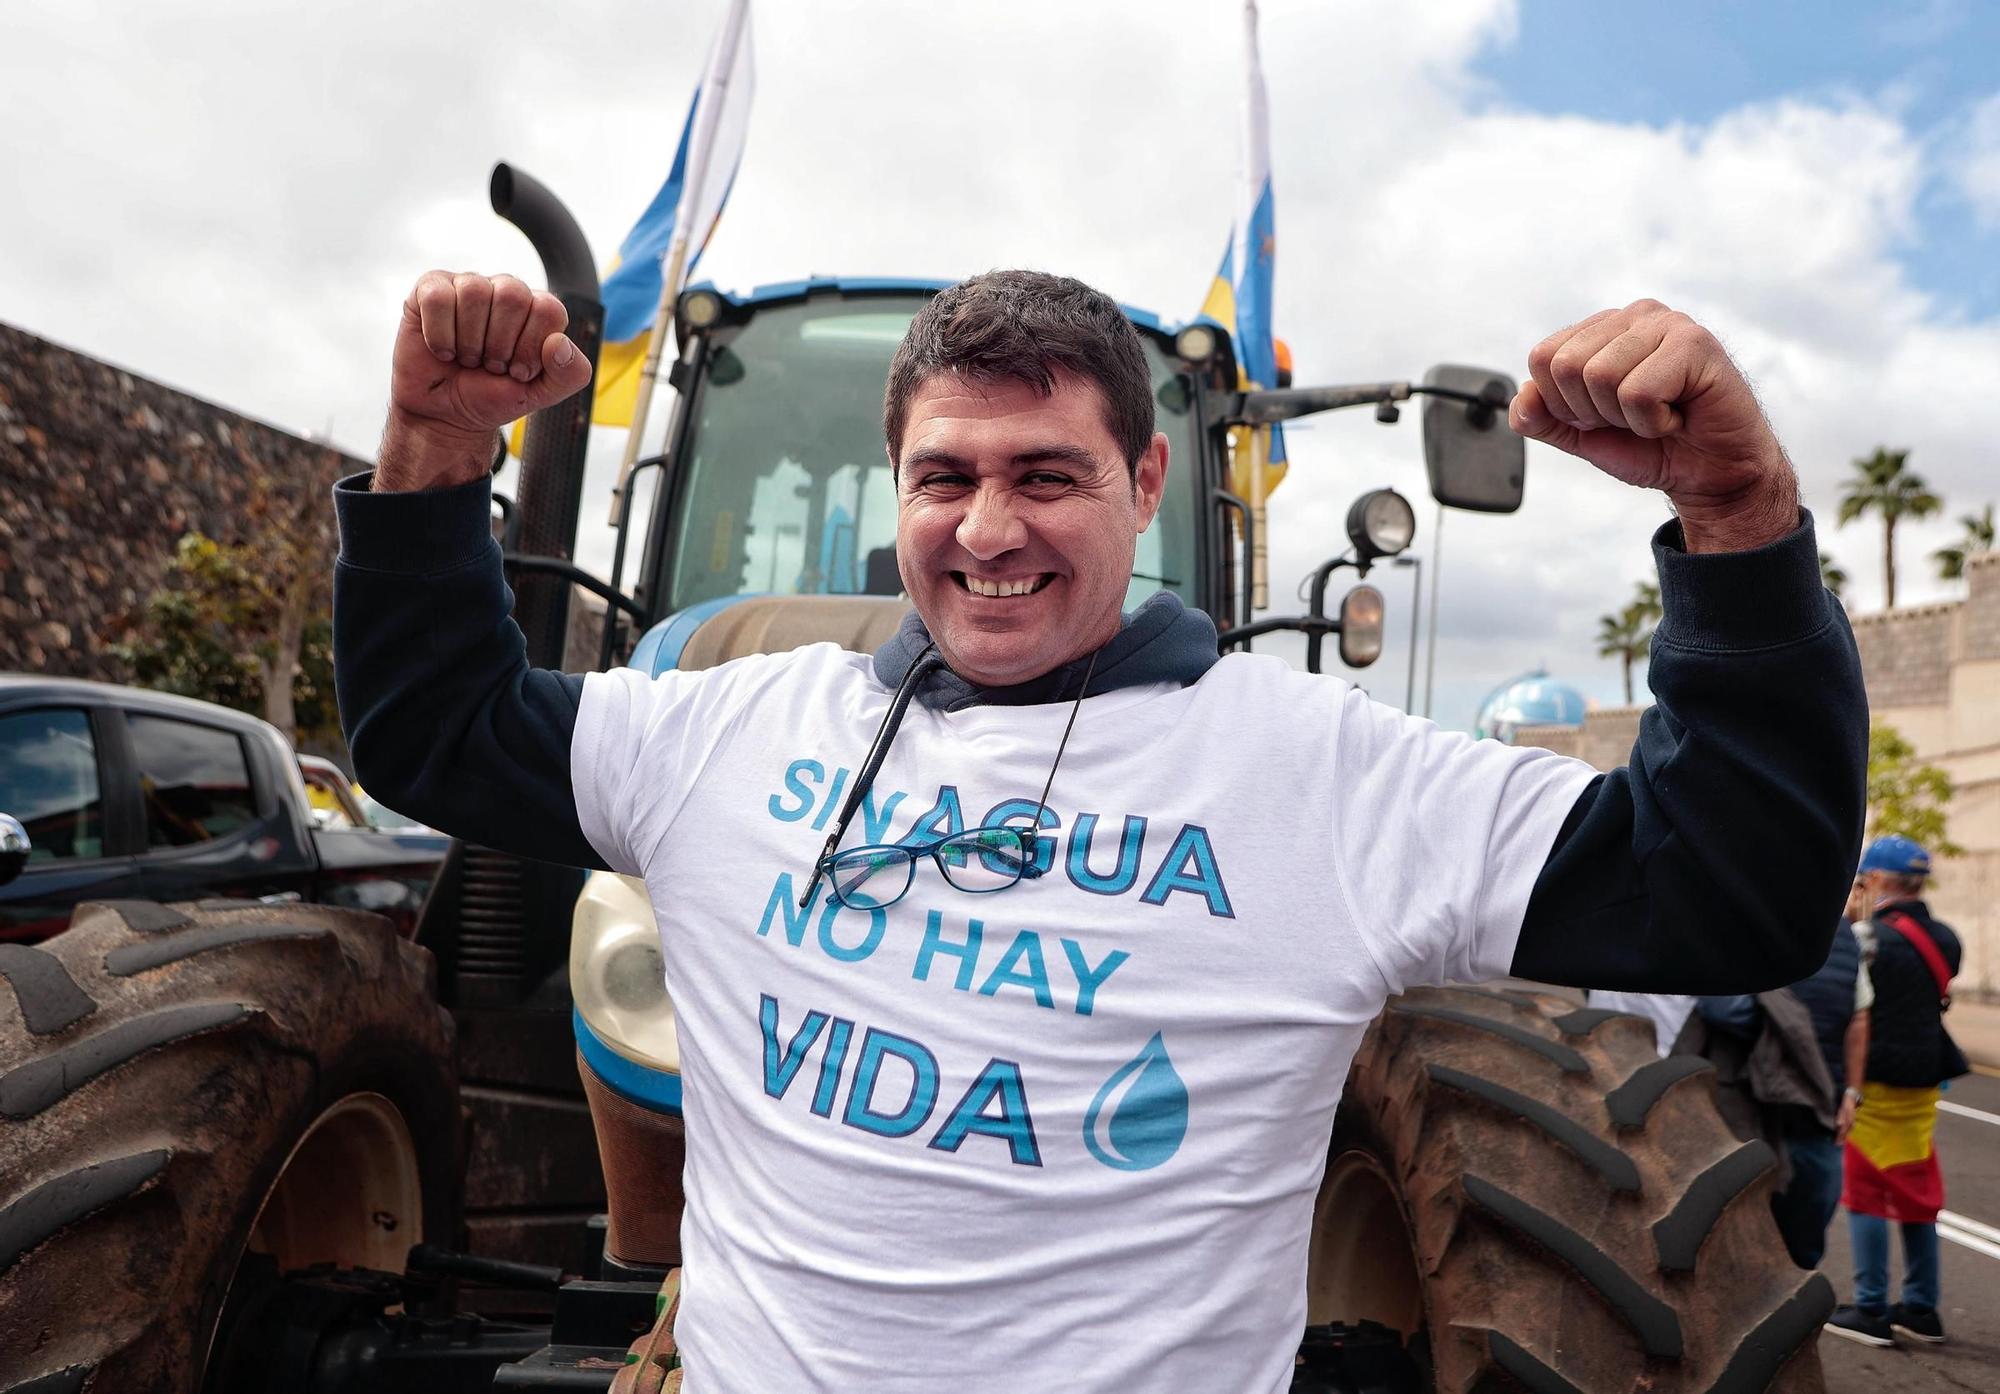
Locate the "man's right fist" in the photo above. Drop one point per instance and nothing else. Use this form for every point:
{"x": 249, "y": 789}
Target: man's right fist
{"x": 472, "y": 354}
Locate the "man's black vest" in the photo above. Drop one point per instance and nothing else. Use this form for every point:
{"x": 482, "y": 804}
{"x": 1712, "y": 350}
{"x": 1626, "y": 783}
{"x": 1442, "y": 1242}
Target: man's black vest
{"x": 1907, "y": 1042}
{"x": 1829, "y": 997}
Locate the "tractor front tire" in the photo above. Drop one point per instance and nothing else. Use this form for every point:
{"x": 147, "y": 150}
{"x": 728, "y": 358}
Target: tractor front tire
{"x": 182, "y": 1085}
{"x": 1527, "y": 1189}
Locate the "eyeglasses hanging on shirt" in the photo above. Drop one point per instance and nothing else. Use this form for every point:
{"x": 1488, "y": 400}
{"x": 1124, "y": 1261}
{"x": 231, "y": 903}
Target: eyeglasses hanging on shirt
{"x": 980, "y": 860}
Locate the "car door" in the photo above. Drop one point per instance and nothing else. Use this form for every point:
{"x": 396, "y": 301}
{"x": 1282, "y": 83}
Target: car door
{"x": 208, "y": 828}
{"x": 54, "y": 777}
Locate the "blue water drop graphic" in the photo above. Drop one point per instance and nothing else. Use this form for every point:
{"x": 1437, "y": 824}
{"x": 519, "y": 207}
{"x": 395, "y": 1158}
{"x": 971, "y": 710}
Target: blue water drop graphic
{"x": 1148, "y": 1120}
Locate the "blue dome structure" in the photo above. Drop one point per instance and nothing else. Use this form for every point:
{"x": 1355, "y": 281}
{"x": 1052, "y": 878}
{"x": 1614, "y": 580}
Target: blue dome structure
{"x": 1533, "y": 699}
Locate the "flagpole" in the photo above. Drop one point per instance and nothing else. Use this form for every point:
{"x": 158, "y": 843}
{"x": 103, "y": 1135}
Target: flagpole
{"x": 1260, "y": 568}
{"x": 714, "y": 92}
{"x": 1249, "y": 256}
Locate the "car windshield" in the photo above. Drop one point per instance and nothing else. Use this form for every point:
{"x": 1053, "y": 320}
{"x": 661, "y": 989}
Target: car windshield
{"x": 787, "y": 488}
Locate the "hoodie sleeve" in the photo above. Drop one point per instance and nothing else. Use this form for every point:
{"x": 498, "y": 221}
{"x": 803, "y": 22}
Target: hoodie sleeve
{"x": 1716, "y": 861}
{"x": 446, "y": 721}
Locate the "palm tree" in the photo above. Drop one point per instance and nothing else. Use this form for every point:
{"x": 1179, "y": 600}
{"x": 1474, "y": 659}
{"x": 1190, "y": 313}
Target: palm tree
{"x": 1646, "y": 600}
{"x": 1626, "y": 636}
{"x": 1881, "y": 484}
{"x": 1978, "y": 538}
{"x": 1830, "y": 574}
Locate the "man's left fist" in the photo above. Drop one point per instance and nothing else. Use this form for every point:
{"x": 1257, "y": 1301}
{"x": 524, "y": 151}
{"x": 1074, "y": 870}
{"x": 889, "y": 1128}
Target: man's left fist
{"x": 1651, "y": 398}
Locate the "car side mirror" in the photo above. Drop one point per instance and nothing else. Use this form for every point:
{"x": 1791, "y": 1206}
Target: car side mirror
{"x": 14, "y": 847}
{"x": 1474, "y": 459}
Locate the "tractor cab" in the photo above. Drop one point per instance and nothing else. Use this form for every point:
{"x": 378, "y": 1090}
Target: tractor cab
{"x": 774, "y": 482}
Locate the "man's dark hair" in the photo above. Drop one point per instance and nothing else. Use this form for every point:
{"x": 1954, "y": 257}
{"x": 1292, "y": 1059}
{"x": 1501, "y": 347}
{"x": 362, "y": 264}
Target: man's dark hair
{"x": 1027, "y": 327}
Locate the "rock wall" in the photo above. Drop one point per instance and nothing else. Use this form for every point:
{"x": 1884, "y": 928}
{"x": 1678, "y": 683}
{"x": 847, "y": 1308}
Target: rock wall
{"x": 101, "y": 472}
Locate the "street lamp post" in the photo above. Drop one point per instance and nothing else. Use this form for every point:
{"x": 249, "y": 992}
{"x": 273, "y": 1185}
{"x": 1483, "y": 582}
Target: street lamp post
{"x": 1431, "y": 638}
{"x": 1415, "y": 564}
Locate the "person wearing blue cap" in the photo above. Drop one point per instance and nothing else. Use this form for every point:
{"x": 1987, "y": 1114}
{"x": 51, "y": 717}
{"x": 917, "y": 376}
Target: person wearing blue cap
{"x": 1891, "y": 1164}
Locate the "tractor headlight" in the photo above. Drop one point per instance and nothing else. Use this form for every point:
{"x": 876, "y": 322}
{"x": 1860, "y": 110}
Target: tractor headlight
{"x": 700, "y": 309}
{"x": 1380, "y": 524}
{"x": 615, "y": 974}
{"x": 1195, "y": 344}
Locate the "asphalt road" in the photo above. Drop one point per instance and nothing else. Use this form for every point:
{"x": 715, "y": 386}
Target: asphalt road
{"x": 1968, "y": 1143}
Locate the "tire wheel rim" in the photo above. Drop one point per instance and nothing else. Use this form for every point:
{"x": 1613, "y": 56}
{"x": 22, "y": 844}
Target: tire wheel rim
{"x": 350, "y": 1194}
{"x": 1362, "y": 1264}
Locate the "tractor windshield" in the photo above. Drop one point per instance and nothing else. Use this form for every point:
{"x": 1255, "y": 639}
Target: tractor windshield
{"x": 784, "y": 488}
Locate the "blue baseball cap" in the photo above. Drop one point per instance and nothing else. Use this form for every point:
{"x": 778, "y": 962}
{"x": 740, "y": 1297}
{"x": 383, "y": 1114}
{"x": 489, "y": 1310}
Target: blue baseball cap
{"x": 1897, "y": 855}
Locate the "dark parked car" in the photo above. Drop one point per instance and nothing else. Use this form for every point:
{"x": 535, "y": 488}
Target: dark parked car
{"x": 124, "y": 793}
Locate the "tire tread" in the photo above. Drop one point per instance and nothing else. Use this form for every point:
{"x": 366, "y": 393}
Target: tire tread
{"x": 49, "y": 997}
{"x": 63, "y": 1200}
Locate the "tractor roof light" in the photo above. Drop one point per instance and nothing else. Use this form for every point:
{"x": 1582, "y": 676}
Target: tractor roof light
{"x": 1380, "y": 524}
{"x": 700, "y": 309}
{"x": 1361, "y": 612}
{"x": 1195, "y": 344}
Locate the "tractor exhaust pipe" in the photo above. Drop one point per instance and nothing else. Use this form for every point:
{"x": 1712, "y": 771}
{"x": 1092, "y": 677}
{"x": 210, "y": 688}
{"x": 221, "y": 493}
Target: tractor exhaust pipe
{"x": 550, "y": 495}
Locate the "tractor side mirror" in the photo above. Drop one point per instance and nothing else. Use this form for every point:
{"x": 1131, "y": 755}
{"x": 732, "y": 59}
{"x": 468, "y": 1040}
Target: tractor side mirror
{"x": 1474, "y": 460}
{"x": 14, "y": 847}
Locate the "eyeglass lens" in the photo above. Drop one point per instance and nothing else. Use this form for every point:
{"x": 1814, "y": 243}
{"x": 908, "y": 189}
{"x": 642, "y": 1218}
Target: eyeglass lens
{"x": 980, "y": 860}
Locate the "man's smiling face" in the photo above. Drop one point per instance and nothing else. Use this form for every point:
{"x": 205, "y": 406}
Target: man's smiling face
{"x": 1017, "y": 521}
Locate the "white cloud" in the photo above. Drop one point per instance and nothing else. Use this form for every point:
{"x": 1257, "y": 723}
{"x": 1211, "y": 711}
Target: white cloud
{"x": 233, "y": 197}
{"x": 1977, "y": 169}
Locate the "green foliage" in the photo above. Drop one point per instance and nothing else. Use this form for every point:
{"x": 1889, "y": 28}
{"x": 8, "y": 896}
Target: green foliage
{"x": 1830, "y": 575}
{"x": 1978, "y": 538}
{"x": 1906, "y": 796}
{"x": 206, "y": 633}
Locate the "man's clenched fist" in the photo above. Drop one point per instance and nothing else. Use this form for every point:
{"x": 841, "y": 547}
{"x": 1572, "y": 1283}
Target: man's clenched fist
{"x": 472, "y": 354}
{"x": 1651, "y": 398}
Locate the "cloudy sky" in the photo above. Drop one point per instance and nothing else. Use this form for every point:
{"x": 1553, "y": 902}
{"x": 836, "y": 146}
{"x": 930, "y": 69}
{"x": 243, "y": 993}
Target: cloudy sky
{"x": 233, "y": 196}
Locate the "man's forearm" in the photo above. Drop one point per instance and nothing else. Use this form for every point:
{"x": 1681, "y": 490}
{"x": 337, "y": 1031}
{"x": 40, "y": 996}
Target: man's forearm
{"x": 414, "y": 457}
{"x": 1714, "y": 861}
{"x": 1759, "y": 518}
{"x": 447, "y": 721}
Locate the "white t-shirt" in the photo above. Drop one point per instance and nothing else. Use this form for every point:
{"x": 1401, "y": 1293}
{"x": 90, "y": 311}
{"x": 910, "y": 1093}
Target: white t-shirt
{"x": 1066, "y": 1136}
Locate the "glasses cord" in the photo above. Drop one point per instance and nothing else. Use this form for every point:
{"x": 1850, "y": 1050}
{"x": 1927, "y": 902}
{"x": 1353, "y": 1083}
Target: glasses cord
{"x": 1042, "y": 804}
{"x": 878, "y": 750}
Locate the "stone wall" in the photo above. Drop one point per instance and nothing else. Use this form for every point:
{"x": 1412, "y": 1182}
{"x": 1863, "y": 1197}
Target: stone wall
{"x": 101, "y": 472}
{"x": 1604, "y": 740}
{"x": 1980, "y": 631}
{"x": 1907, "y": 654}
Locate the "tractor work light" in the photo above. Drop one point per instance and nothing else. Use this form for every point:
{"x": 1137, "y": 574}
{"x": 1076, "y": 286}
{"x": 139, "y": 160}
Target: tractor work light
{"x": 1380, "y": 524}
{"x": 1195, "y": 344}
{"x": 700, "y": 309}
{"x": 1361, "y": 614}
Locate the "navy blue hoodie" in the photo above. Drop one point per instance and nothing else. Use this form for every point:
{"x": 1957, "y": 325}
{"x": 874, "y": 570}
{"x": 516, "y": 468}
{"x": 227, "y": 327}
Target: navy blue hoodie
{"x": 1715, "y": 861}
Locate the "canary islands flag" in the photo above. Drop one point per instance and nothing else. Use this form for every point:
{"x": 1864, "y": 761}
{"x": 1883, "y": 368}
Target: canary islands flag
{"x": 1240, "y": 299}
{"x": 704, "y": 169}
